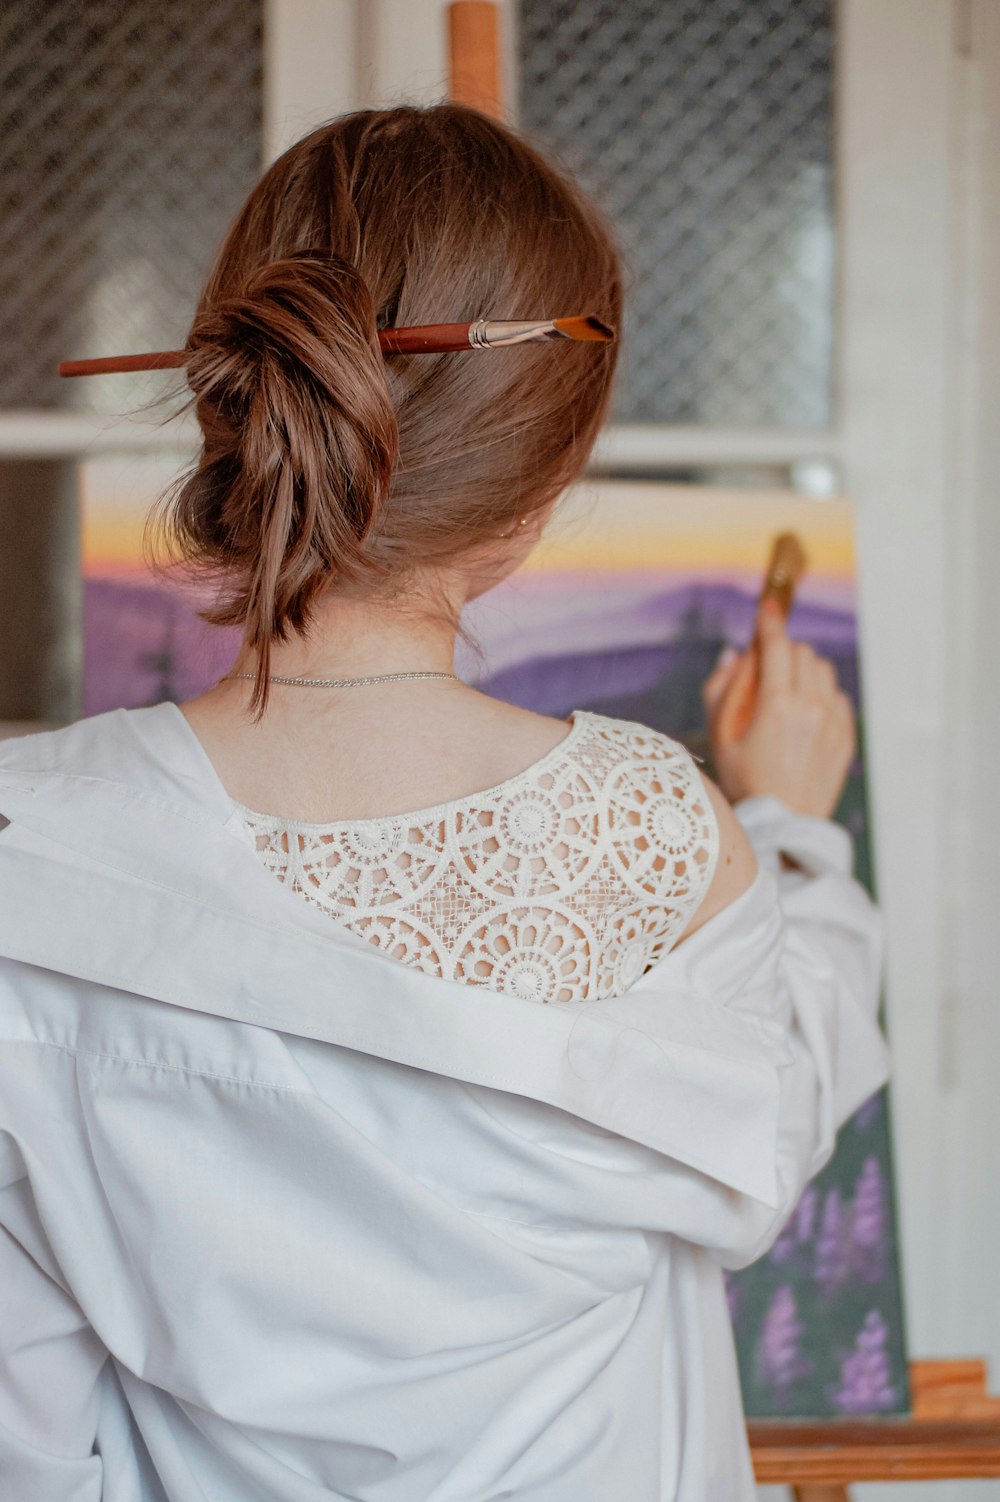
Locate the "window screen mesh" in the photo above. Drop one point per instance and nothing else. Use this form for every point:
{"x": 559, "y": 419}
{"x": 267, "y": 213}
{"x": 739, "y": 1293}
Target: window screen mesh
{"x": 130, "y": 135}
{"x": 706, "y": 131}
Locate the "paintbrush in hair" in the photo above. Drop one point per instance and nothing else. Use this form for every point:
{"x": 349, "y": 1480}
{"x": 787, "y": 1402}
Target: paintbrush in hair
{"x": 428, "y": 339}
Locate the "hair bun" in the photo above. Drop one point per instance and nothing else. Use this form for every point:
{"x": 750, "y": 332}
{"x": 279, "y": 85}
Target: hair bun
{"x": 306, "y": 311}
{"x": 300, "y": 437}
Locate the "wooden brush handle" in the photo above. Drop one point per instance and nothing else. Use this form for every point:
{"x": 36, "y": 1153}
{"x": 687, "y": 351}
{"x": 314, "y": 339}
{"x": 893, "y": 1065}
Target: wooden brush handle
{"x": 784, "y": 570}
{"x": 425, "y": 339}
{"x": 787, "y": 565}
{"x": 170, "y": 359}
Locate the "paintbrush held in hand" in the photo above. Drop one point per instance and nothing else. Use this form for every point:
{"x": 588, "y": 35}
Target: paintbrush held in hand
{"x": 785, "y": 569}
{"x": 430, "y": 339}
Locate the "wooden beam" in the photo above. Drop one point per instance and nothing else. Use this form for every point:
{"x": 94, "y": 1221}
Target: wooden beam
{"x": 952, "y": 1433}
{"x": 474, "y": 56}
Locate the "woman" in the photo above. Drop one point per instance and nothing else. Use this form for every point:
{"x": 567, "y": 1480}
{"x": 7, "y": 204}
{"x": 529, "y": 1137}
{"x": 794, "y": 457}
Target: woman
{"x": 367, "y": 1134}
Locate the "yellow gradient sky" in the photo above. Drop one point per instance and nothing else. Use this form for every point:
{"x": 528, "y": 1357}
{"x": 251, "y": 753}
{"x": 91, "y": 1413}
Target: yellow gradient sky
{"x": 605, "y": 525}
{"x": 628, "y": 526}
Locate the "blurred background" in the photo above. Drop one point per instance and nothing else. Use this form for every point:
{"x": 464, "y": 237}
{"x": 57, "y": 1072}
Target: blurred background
{"x": 807, "y": 192}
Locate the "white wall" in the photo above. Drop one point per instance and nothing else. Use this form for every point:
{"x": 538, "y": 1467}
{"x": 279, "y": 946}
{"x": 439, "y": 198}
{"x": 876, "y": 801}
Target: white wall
{"x": 972, "y": 1307}
{"x": 918, "y": 376}
{"x": 313, "y": 53}
{"x": 896, "y": 302}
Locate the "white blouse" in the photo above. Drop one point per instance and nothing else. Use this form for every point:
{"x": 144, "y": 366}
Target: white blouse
{"x": 563, "y": 883}
{"x": 283, "y": 1219}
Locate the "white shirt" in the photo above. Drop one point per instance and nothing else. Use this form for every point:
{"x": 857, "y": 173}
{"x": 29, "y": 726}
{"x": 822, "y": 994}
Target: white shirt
{"x": 283, "y": 1218}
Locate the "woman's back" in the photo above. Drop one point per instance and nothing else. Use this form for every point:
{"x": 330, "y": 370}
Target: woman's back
{"x": 323, "y": 755}
{"x": 561, "y": 879}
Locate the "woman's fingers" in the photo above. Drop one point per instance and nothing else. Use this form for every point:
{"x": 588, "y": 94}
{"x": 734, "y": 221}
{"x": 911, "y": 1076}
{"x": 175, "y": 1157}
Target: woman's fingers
{"x": 734, "y": 710}
{"x": 814, "y": 677}
{"x": 843, "y": 711}
{"x": 714, "y": 687}
{"x": 779, "y": 724}
{"x": 776, "y": 664}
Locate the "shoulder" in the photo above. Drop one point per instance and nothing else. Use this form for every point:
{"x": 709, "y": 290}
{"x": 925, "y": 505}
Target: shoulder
{"x": 631, "y": 741}
{"x": 629, "y": 749}
{"x": 666, "y": 788}
{"x": 736, "y": 863}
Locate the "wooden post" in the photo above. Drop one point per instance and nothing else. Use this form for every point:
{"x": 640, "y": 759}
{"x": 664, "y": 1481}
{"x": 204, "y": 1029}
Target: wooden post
{"x": 474, "y": 56}
{"x": 41, "y": 638}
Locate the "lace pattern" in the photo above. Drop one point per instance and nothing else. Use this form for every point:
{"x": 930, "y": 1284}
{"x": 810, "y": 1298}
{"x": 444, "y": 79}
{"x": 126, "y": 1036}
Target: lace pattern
{"x": 563, "y": 883}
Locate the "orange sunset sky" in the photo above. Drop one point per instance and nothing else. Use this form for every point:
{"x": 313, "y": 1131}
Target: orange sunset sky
{"x": 616, "y": 526}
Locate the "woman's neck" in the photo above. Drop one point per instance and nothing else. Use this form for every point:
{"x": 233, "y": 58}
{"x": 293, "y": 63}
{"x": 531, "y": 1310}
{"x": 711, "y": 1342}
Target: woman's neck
{"x": 358, "y": 638}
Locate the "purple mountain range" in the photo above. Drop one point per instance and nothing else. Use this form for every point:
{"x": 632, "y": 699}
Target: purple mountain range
{"x": 143, "y": 644}
{"x": 555, "y": 649}
{"x": 732, "y": 609}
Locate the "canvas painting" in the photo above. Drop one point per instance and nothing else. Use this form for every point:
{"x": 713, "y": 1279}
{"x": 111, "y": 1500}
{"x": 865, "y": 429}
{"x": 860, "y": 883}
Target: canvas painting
{"x": 623, "y": 609}
{"x": 143, "y": 641}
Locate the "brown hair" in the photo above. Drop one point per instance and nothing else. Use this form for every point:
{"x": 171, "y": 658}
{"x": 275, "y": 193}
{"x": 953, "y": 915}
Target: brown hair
{"x": 327, "y": 465}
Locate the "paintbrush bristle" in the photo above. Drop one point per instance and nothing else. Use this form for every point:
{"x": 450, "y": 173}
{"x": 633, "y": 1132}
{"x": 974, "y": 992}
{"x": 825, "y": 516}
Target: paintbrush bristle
{"x": 587, "y": 327}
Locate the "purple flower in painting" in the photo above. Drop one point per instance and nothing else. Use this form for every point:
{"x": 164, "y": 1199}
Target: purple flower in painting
{"x": 868, "y": 1222}
{"x": 805, "y": 1214}
{"x": 832, "y": 1265}
{"x": 780, "y": 1362}
{"x": 864, "y": 1373}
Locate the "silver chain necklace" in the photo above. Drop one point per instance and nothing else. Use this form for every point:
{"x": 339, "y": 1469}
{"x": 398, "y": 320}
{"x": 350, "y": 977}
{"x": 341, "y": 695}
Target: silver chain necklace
{"x": 336, "y": 682}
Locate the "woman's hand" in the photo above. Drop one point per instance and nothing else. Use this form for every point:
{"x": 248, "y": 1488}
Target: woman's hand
{"x": 778, "y": 724}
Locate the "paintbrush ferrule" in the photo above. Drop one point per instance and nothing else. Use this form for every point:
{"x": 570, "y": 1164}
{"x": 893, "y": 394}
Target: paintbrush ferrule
{"x": 493, "y": 333}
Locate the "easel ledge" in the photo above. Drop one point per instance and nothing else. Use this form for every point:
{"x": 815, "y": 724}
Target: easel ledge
{"x": 953, "y": 1433}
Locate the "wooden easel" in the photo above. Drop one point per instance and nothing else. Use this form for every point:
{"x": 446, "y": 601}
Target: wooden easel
{"x": 474, "y": 56}
{"x": 953, "y": 1433}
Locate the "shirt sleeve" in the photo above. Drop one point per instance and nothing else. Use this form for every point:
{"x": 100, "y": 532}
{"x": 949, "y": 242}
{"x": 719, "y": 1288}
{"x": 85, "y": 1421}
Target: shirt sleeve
{"x": 824, "y": 1001}
{"x": 51, "y": 1361}
{"x": 828, "y": 1002}
{"x": 834, "y": 933}
{"x": 806, "y": 976}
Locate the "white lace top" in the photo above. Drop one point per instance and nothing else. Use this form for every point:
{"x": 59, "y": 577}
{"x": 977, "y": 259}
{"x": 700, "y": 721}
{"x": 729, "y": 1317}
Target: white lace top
{"x": 563, "y": 883}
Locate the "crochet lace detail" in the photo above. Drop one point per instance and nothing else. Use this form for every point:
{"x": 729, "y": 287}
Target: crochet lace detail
{"x": 563, "y": 883}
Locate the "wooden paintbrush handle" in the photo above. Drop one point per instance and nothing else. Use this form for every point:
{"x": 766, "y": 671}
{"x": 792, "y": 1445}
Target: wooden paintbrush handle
{"x": 784, "y": 570}
{"x": 425, "y": 339}
{"x": 170, "y": 359}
